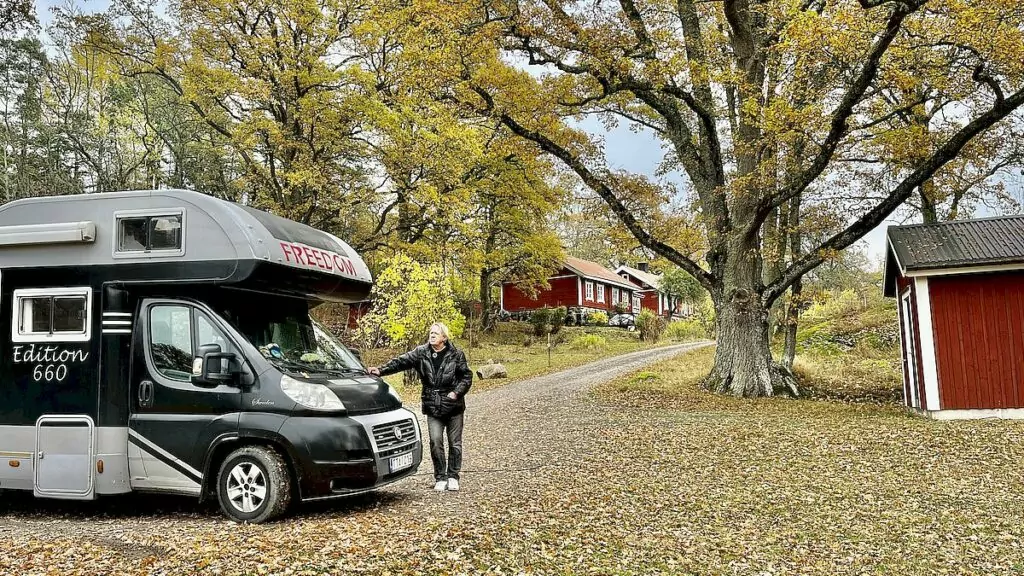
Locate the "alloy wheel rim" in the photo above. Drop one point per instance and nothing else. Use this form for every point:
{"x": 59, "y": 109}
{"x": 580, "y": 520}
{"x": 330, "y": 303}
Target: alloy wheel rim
{"x": 247, "y": 487}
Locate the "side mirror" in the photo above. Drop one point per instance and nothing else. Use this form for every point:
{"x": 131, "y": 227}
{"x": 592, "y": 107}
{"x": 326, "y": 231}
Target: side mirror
{"x": 209, "y": 366}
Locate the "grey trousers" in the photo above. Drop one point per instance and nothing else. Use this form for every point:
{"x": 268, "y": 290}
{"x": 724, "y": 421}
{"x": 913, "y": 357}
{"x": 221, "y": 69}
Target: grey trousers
{"x": 438, "y": 427}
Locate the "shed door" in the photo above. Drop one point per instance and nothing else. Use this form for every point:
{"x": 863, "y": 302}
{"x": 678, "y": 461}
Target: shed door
{"x": 910, "y": 349}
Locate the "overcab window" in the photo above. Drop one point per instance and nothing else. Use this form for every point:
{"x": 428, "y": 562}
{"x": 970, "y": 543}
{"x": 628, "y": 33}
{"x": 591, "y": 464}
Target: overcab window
{"x": 60, "y": 314}
{"x": 150, "y": 233}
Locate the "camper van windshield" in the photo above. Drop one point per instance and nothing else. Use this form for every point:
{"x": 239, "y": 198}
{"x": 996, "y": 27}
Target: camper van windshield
{"x": 292, "y": 340}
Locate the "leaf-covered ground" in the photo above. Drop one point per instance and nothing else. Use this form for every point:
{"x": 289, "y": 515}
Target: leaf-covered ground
{"x": 647, "y": 475}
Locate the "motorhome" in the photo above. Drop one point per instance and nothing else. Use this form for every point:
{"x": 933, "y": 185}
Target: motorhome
{"x": 162, "y": 341}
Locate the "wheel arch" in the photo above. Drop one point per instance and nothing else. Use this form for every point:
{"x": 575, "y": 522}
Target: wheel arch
{"x": 225, "y": 445}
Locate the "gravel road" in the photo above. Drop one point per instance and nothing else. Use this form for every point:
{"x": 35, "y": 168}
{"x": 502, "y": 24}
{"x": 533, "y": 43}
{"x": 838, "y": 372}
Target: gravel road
{"x": 516, "y": 437}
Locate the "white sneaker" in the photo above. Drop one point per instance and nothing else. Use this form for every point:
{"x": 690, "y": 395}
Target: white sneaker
{"x": 440, "y": 486}
{"x": 453, "y": 484}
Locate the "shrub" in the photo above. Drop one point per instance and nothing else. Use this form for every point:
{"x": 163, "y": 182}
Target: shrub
{"x": 589, "y": 342}
{"x": 407, "y": 298}
{"x": 832, "y": 305}
{"x": 546, "y": 320}
{"x": 556, "y": 318}
{"x": 686, "y": 330}
{"x": 650, "y": 325}
{"x": 597, "y": 318}
{"x": 540, "y": 320}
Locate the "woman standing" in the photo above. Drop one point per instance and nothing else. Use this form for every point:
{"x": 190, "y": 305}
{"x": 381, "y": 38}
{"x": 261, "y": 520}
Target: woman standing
{"x": 446, "y": 380}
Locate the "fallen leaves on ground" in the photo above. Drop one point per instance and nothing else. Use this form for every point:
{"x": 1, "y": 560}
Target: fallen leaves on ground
{"x": 628, "y": 480}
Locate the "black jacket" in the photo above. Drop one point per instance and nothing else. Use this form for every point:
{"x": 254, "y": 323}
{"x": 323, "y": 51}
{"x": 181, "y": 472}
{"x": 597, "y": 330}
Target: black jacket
{"x": 454, "y": 375}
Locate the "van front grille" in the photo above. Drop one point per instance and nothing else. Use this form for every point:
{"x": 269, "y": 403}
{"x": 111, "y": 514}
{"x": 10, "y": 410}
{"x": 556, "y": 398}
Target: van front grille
{"x": 393, "y": 434}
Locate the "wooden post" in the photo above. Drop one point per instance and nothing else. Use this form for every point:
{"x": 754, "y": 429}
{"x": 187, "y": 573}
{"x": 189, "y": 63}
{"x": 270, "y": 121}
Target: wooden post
{"x": 549, "y": 348}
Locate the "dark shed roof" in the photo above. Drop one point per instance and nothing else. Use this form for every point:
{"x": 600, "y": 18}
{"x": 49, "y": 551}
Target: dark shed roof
{"x": 956, "y": 244}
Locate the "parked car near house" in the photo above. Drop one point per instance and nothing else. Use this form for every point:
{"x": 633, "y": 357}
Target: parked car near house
{"x": 623, "y": 320}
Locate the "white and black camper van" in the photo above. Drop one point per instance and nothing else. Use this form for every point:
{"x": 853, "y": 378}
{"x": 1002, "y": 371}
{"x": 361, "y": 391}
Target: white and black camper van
{"x": 161, "y": 341}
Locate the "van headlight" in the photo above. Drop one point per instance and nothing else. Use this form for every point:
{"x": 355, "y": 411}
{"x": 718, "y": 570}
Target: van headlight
{"x": 310, "y": 395}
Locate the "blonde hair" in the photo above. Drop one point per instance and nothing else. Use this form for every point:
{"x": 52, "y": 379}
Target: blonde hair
{"x": 442, "y": 329}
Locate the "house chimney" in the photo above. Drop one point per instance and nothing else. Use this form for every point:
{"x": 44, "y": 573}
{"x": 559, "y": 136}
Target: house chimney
{"x": 641, "y": 266}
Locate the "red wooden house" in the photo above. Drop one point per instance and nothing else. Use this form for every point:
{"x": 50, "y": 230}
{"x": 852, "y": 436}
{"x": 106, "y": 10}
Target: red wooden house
{"x": 650, "y": 294}
{"x": 357, "y": 310}
{"x": 960, "y": 290}
{"x": 579, "y": 284}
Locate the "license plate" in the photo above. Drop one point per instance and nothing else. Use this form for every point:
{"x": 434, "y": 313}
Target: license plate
{"x": 401, "y": 462}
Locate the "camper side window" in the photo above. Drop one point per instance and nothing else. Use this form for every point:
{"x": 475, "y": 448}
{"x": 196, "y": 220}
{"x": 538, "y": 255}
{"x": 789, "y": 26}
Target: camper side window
{"x": 149, "y": 233}
{"x": 51, "y": 314}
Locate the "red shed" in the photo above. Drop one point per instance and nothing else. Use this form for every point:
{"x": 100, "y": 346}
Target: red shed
{"x": 579, "y": 284}
{"x": 960, "y": 287}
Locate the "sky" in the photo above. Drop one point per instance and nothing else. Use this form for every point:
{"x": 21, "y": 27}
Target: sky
{"x": 624, "y": 149}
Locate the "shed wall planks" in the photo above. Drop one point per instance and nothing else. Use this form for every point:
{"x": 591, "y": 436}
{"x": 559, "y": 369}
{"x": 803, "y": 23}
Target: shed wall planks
{"x": 978, "y": 325}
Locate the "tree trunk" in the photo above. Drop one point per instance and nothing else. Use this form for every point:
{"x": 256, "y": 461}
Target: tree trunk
{"x": 929, "y": 211}
{"x": 792, "y": 319}
{"x": 743, "y": 358}
{"x": 486, "y": 319}
{"x": 793, "y": 311}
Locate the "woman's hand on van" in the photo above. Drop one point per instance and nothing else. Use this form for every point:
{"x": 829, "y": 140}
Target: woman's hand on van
{"x": 452, "y": 396}
{"x": 373, "y": 370}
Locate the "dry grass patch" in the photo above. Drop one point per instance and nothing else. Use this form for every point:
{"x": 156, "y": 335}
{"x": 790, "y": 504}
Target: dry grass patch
{"x": 864, "y": 374}
{"x": 777, "y": 486}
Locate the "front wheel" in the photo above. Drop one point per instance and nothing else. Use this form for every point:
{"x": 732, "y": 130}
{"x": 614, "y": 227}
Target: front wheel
{"x": 253, "y": 485}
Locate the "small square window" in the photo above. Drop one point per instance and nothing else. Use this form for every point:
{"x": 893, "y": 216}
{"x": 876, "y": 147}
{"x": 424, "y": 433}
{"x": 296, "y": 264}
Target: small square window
{"x": 47, "y": 316}
{"x": 149, "y": 233}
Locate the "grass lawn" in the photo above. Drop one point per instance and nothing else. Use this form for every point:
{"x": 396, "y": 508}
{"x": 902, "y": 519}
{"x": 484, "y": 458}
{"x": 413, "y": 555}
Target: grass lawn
{"x": 508, "y": 346}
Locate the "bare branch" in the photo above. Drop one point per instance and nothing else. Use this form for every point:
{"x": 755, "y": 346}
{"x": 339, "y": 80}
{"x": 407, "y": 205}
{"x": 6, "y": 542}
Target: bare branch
{"x": 876, "y": 215}
{"x": 636, "y": 22}
{"x": 599, "y": 186}
{"x": 838, "y": 126}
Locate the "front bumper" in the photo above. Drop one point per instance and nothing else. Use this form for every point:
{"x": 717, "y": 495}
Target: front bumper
{"x": 364, "y": 464}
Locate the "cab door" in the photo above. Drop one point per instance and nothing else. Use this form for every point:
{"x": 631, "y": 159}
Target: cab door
{"x": 175, "y": 417}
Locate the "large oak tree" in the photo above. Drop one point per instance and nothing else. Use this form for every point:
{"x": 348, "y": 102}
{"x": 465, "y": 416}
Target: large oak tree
{"x": 766, "y": 106}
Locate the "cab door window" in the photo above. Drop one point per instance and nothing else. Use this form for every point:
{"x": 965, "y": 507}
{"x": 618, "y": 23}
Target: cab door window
{"x": 170, "y": 340}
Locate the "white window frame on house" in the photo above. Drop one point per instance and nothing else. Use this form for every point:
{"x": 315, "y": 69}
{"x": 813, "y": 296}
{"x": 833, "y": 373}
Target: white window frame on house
{"x": 19, "y": 335}
{"x": 590, "y": 290}
{"x": 615, "y": 295}
{"x": 636, "y": 303}
{"x": 600, "y": 293}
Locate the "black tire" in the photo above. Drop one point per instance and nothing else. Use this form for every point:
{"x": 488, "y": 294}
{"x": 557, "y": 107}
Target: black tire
{"x": 268, "y": 491}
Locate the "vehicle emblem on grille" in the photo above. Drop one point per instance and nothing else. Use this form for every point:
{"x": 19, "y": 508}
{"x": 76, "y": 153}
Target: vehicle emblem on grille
{"x": 398, "y": 432}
